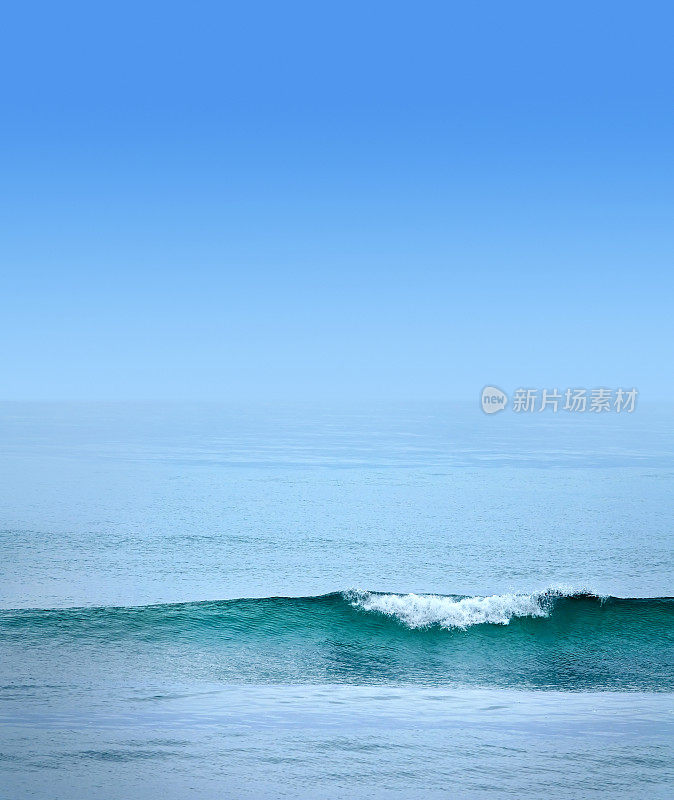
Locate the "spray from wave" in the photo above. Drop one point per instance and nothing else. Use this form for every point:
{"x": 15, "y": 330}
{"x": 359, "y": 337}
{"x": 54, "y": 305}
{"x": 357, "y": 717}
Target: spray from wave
{"x": 424, "y": 610}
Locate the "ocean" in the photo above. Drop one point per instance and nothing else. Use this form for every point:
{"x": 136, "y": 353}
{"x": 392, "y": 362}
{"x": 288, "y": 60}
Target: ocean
{"x": 332, "y": 601}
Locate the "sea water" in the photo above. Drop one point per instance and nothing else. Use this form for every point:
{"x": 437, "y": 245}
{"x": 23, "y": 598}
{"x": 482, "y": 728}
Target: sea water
{"x": 314, "y": 601}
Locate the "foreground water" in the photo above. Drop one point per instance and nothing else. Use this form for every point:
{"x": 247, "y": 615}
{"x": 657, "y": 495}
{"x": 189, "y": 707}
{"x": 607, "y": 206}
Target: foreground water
{"x": 337, "y": 742}
{"x": 179, "y": 617}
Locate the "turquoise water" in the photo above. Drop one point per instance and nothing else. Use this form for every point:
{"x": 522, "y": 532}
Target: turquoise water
{"x": 549, "y": 641}
{"x": 377, "y": 602}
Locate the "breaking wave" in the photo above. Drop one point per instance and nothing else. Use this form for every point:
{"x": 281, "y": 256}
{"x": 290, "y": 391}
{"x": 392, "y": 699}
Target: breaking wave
{"x": 412, "y": 611}
{"x": 424, "y": 610}
{"x": 551, "y": 639}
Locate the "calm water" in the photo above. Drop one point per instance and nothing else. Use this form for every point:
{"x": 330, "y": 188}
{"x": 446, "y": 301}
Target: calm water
{"x": 222, "y": 601}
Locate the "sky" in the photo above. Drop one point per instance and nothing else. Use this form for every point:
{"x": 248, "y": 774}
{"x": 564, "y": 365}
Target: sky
{"x": 291, "y": 201}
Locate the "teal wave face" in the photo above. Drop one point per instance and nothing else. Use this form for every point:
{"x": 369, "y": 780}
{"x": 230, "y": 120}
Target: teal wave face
{"x": 549, "y": 640}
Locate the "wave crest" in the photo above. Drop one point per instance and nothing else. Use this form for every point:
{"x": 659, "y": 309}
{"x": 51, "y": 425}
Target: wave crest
{"x": 427, "y": 610}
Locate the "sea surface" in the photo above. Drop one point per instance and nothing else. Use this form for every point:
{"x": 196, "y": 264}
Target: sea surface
{"x": 381, "y": 601}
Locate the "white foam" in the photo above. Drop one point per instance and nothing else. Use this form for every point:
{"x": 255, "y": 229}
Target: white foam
{"x": 422, "y": 611}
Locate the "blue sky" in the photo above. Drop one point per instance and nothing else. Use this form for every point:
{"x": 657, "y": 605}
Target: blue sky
{"x": 352, "y": 201}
